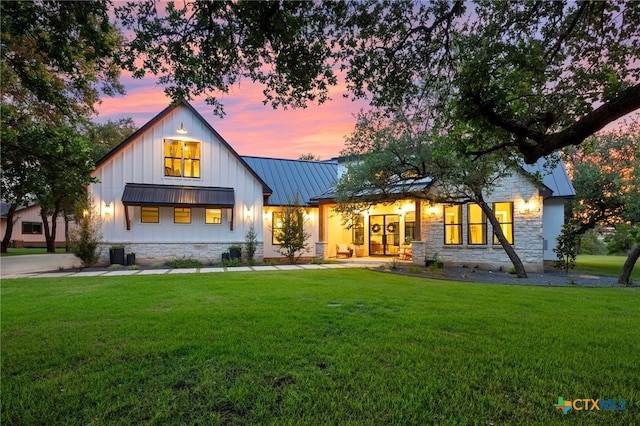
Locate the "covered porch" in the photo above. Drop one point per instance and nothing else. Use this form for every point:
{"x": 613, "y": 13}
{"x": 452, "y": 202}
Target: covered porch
{"x": 377, "y": 235}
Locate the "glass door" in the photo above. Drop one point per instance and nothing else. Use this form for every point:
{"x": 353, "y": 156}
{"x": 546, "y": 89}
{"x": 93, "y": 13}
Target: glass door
{"x": 384, "y": 235}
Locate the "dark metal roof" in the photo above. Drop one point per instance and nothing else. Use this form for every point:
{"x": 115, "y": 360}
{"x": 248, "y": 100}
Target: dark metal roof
{"x": 290, "y": 177}
{"x": 555, "y": 178}
{"x": 160, "y": 116}
{"x": 140, "y": 194}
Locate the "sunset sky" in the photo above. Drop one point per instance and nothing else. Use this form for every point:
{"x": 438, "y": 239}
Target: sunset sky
{"x": 249, "y": 126}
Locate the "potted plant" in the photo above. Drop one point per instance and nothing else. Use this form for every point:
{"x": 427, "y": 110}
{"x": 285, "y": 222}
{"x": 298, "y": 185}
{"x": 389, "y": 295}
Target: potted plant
{"x": 116, "y": 254}
{"x": 358, "y": 243}
{"x": 235, "y": 252}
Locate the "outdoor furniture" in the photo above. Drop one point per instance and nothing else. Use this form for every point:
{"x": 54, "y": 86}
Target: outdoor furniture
{"x": 405, "y": 252}
{"x": 343, "y": 249}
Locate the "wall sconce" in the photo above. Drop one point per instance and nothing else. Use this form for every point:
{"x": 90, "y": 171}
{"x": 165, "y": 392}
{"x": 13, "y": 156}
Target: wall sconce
{"x": 248, "y": 215}
{"x": 85, "y": 213}
{"x": 528, "y": 207}
{"x": 432, "y": 210}
{"x": 181, "y": 130}
{"x": 107, "y": 210}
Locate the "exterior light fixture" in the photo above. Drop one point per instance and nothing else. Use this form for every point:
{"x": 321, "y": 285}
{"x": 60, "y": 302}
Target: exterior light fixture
{"x": 107, "y": 209}
{"x": 249, "y": 215}
{"x": 181, "y": 129}
{"x": 529, "y": 206}
{"x": 85, "y": 213}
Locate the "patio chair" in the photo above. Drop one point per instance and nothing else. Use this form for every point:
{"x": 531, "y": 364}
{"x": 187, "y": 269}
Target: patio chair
{"x": 343, "y": 249}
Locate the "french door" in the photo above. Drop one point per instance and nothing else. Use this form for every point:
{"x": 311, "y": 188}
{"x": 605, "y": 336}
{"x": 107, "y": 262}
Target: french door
{"x": 384, "y": 234}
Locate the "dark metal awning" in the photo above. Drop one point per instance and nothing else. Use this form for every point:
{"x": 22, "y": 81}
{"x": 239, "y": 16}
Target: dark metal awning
{"x": 144, "y": 194}
{"x": 141, "y": 194}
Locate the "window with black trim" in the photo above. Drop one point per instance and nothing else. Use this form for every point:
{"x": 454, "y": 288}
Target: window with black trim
{"x": 213, "y": 216}
{"x": 477, "y": 225}
{"x": 504, "y": 214}
{"x": 409, "y": 226}
{"x": 181, "y": 158}
{"x": 277, "y": 225}
{"x": 453, "y": 224}
{"x": 150, "y": 215}
{"x": 182, "y": 215}
{"x": 31, "y": 227}
{"x": 358, "y": 230}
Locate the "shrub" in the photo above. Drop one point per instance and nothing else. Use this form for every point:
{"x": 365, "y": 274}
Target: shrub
{"x": 184, "y": 262}
{"x": 591, "y": 244}
{"x": 621, "y": 241}
{"x": 251, "y": 244}
{"x": 86, "y": 239}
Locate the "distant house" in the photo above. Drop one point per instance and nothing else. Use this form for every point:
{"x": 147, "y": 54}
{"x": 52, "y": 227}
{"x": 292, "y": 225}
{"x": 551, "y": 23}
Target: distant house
{"x": 176, "y": 188}
{"x": 28, "y": 228}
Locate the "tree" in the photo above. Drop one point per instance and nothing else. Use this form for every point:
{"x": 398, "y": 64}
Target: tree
{"x": 105, "y": 137}
{"x": 534, "y": 76}
{"x": 400, "y": 157}
{"x": 86, "y": 239}
{"x": 309, "y": 157}
{"x": 56, "y": 58}
{"x": 292, "y": 236}
{"x": 606, "y": 177}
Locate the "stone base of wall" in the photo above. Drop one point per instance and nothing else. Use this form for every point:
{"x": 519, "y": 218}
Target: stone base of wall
{"x": 322, "y": 250}
{"x": 491, "y": 258}
{"x": 418, "y": 252}
{"x": 159, "y": 253}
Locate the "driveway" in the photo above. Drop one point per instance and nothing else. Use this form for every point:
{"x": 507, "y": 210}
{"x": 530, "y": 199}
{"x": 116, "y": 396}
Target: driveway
{"x": 18, "y": 265}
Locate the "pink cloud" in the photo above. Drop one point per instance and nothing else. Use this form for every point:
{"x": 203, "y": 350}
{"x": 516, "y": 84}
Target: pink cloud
{"x": 249, "y": 126}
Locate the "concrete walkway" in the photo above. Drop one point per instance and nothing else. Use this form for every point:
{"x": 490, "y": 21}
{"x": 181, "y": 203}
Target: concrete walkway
{"x": 62, "y": 265}
{"x": 12, "y": 266}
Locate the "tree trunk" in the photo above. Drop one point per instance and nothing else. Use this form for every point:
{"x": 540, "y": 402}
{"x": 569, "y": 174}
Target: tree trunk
{"x": 508, "y": 248}
{"x": 9, "y": 231}
{"x": 50, "y": 232}
{"x": 625, "y": 275}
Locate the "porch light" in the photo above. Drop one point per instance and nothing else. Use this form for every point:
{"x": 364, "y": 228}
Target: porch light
{"x": 107, "y": 210}
{"x": 529, "y": 206}
{"x": 249, "y": 215}
{"x": 181, "y": 129}
{"x": 85, "y": 213}
{"x": 432, "y": 210}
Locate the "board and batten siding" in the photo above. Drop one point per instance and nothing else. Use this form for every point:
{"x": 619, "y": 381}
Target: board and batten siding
{"x": 142, "y": 161}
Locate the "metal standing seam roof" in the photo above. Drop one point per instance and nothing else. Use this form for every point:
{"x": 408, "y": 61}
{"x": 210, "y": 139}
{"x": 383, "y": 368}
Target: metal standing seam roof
{"x": 139, "y": 194}
{"x": 287, "y": 178}
{"x": 556, "y": 178}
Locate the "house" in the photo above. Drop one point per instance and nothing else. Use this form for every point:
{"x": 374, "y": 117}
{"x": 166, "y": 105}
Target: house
{"x": 28, "y": 228}
{"x": 176, "y": 188}
{"x": 531, "y": 215}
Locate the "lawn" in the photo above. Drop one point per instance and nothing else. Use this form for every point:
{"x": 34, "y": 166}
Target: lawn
{"x": 31, "y": 250}
{"x": 313, "y": 347}
{"x": 604, "y": 265}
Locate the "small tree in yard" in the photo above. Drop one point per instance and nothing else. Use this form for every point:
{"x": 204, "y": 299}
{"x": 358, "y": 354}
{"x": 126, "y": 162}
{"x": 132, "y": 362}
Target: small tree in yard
{"x": 291, "y": 235}
{"x": 567, "y": 247}
{"x": 86, "y": 239}
{"x": 251, "y": 242}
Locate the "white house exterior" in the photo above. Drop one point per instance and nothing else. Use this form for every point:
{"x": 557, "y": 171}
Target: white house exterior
{"x": 166, "y": 194}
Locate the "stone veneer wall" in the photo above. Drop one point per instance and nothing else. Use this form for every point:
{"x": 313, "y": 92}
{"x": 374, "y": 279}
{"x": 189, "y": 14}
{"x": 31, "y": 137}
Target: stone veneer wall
{"x": 528, "y": 233}
{"x": 154, "y": 253}
{"x": 322, "y": 250}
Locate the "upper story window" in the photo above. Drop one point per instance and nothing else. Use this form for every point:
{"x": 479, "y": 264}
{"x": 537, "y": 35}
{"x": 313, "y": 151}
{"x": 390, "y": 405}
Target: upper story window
{"x": 477, "y": 232}
{"x": 181, "y": 158}
{"x": 504, "y": 214}
{"x": 453, "y": 224}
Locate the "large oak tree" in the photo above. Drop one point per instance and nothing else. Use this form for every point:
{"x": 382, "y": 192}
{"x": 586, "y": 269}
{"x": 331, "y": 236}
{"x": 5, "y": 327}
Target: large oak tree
{"x": 536, "y": 76}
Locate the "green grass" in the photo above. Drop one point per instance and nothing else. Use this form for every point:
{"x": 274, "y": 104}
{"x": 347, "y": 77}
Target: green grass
{"x": 313, "y": 347}
{"x": 23, "y": 251}
{"x": 604, "y": 265}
